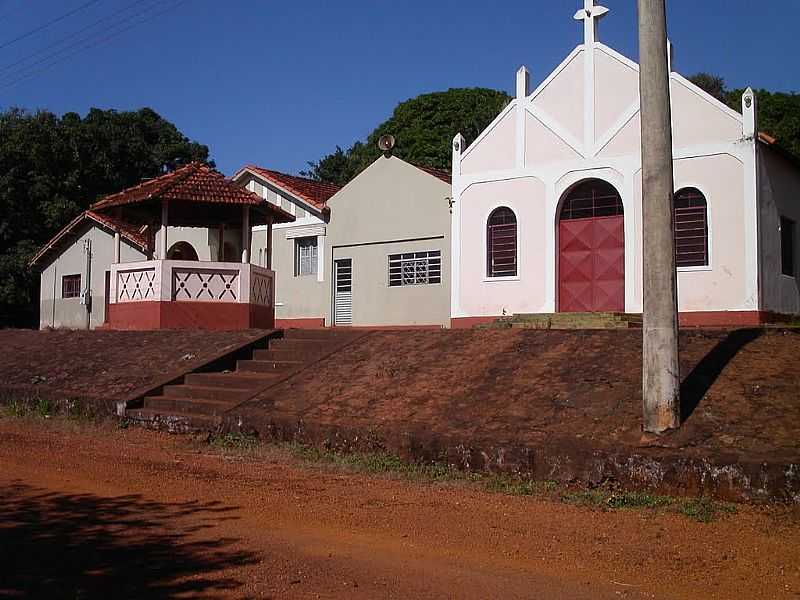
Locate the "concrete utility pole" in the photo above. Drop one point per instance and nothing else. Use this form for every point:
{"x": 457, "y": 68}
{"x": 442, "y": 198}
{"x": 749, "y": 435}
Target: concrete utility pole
{"x": 661, "y": 370}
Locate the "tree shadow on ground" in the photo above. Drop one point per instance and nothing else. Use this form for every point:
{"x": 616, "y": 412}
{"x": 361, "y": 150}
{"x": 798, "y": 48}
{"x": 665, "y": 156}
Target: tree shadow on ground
{"x": 705, "y": 373}
{"x": 55, "y": 545}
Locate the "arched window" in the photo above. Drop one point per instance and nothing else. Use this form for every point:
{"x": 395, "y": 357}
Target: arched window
{"x": 182, "y": 251}
{"x": 501, "y": 243}
{"x": 691, "y": 228}
{"x": 592, "y": 198}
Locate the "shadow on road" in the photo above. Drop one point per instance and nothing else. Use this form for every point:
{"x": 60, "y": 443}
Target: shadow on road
{"x": 55, "y": 545}
{"x": 705, "y": 373}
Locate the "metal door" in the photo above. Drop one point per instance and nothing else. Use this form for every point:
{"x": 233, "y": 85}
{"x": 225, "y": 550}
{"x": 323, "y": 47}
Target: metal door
{"x": 343, "y": 291}
{"x": 591, "y": 264}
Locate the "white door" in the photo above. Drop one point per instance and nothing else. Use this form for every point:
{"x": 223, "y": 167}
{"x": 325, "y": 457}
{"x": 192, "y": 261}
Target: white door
{"x": 343, "y": 292}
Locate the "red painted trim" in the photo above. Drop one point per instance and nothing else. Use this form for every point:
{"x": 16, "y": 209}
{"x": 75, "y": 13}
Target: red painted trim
{"x": 468, "y": 322}
{"x": 389, "y": 327}
{"x": 307, "y": 323}
{"x": 189, "y": 315}
{"x": 726, "y": 318}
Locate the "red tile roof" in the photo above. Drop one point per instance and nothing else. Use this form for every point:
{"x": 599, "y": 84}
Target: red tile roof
{"x": 438, "y": 173}
{"x": 126, "y": 230}
{"x": 194, "y": 182}
{"x": 316, "y": 193}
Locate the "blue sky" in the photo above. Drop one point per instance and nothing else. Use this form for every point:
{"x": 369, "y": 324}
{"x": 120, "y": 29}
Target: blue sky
{"x": 279, "y": 83}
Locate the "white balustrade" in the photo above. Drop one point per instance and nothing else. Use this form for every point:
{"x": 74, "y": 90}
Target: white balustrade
{"x": 191, "y": 281}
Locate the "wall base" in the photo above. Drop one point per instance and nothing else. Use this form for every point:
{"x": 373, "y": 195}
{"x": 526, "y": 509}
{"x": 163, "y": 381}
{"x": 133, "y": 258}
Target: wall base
{"x": 304, "y": 323}
{"x": 189, "y": 315}
{"x": 713, "y": 318}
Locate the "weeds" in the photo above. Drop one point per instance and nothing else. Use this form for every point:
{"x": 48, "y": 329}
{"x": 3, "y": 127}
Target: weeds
{"x": 234, "y": 441}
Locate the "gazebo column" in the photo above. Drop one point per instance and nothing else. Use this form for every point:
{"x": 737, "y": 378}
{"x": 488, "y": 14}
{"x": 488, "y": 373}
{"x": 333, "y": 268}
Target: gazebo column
{"x": 162, "y": 253}
{"x": 116, "y": 247}
{"x": 269, "y": 242}
{"x": 246, "y": 233}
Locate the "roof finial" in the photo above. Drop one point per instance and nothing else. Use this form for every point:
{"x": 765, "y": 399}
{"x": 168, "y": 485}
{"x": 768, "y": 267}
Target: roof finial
{"x": 590, "y": 15}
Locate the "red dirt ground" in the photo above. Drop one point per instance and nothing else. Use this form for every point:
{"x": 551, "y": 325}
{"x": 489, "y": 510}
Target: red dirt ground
{"x": 106, "y": 364}
{"x": 134, "y": 514}
{"x": 530, "y": 386}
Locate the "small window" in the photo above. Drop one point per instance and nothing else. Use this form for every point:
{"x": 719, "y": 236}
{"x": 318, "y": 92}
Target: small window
{"x": 691, "y": 228}
{"x": 501, "y": 243}
{"x": 787, "y": 247}
{"x": 70, "y": 286}
{"x": 415, "y": 268}
{"x": 305, "y": 256}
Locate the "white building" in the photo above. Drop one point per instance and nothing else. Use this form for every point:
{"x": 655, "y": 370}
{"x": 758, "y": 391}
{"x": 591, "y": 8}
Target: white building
{"x": 548, "y": 206}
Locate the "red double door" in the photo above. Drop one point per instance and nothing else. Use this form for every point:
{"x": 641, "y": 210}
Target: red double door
{"x": 591, "y": 264}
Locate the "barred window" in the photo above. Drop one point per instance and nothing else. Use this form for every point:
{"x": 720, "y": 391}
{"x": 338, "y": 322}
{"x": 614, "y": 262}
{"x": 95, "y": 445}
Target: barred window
{"x": 70, "y": 286}
{"x": 501, "y": 243}
{"x": 415, "y": 268}
{"x": 305, "y": 256}
{"x": 787, "y": 246}
{"x": 691, "y": 228}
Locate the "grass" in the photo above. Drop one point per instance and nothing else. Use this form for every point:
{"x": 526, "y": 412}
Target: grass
{"x": 45, "y": 408}
{"x": 701, "y": 509}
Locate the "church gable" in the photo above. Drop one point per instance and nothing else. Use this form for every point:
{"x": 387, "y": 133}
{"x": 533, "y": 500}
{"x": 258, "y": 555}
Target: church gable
{"x": 560, "y": 97}
{"x": 616, "y": 91}
{"x": 697, "y": 118}
{"x": 494, "y": 149}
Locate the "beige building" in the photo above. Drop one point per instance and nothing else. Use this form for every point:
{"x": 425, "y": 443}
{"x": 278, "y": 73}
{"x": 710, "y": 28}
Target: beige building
{"x": 374, "y": 253}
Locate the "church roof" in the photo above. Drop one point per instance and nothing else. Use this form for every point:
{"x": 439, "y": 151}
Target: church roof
{"x": 126, "y": 230}
{"x": 315, "y": 193}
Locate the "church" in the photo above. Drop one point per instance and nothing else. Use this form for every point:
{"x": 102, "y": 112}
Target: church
{"x": 547, "y": 201}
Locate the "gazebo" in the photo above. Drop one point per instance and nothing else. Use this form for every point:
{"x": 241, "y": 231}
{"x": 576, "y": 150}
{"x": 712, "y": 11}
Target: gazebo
{"x": 161, "y": 293}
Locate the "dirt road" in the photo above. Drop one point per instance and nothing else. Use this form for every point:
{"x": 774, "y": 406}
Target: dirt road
{"x": 96, "y": 512}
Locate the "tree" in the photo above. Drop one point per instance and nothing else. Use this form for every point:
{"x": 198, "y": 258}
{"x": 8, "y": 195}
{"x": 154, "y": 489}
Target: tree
{"x": 423, "y": 128}
{"x": 778, "y": 112}
{"x": 52, "y": 168}
{"x": 712, "y": 84}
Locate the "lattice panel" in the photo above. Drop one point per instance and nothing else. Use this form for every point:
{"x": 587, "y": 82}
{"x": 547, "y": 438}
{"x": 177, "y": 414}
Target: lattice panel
{"x": 261, "y": 289}
{"x": 135, "y": 286}
{"x": 205, "y": 285}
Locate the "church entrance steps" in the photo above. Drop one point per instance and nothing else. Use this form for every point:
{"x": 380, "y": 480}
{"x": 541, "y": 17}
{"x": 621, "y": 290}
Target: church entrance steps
{"x": 601, "y": 320}
{"x": 201, "y": 400}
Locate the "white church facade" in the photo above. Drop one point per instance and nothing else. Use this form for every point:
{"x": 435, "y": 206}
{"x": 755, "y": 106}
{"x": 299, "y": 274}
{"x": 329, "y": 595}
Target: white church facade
{"x": 547, "y": 201}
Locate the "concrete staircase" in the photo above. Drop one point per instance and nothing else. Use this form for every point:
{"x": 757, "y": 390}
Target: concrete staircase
{"x": 604, "y": 320}
{"x": 200, "y": 402}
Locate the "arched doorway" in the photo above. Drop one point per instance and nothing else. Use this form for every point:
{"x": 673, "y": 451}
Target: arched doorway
{"x": 591, "y": 249}
{"x": 181, "y": 251}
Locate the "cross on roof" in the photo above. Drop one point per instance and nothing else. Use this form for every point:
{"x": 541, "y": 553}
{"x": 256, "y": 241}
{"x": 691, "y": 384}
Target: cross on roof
{"x": 590, "y": 15}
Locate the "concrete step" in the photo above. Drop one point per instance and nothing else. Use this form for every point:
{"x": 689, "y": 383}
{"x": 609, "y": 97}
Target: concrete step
{"x": 301, "y": 354}
{"x": 576, "y": 325}
{"x": 312, "y": 344}
{"x": 267, "y": 355}
{"x": 240, "y": 380}
{"x": 266, "y": 366}
{"x": 175, "y": 422}
{"x": 187, "y": 406}
{"x": 224, "y": 393}
{"x": 315, "y": 334}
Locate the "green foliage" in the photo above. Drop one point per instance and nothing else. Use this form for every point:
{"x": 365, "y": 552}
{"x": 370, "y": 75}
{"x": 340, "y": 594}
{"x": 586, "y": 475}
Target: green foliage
{"x": 51, "y": 168}
{"x": 423, "y": 128}
{"x": 778, "y": 112}
{"x": 234, "y": 441}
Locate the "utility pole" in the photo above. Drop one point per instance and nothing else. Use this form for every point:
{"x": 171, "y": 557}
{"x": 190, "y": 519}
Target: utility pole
{"x": 660, "y": 367}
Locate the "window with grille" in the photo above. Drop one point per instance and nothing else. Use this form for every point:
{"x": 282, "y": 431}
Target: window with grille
{"x": 691, "y": 228}
{"x": 501, "y": 243}
{"x": 787, "y": 246}
{"x": 415, "y": 268}
{"x": 70, "y": 286}
{"x": 305, "y": 256}
{"x": 590, "y": 199}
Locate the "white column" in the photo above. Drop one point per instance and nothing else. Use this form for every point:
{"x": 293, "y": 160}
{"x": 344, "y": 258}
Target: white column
{"x": 523, "y": 89}
{"x": 455, "y": 228}
{"x": 116, "y": 247}
{"x": 269, "y": 242}
{"x": 751, "y": 208}
{"x": 162, "y": 254}
{"x": 246, "y": 234}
